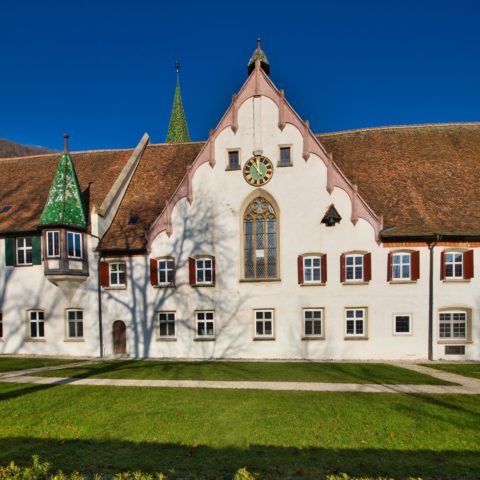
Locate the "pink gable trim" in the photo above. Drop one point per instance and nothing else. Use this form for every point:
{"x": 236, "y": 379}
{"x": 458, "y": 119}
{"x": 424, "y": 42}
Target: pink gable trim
{"x": 258, "y": 83}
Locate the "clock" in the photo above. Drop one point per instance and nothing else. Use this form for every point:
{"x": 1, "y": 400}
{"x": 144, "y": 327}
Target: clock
{"x": 258, "y": 170}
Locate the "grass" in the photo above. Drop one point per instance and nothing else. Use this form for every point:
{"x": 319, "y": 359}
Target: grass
{"x": 200, "y": 433}
{"x": 466, "y": 369}
{"x": 259, "y": 371}
{"x": 10, "y": 364}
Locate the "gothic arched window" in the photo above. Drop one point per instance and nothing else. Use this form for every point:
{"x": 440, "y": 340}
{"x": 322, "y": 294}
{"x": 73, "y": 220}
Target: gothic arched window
{"x": 260, "y": 240}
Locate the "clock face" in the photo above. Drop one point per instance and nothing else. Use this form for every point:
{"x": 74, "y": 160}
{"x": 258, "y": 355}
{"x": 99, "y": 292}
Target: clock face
{"x": 258, "y": 170}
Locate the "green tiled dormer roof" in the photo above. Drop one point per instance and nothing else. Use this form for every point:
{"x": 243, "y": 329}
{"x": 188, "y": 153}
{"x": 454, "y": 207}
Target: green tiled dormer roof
{"x": 177, "y": 129}
{"x": 64, "y": 204}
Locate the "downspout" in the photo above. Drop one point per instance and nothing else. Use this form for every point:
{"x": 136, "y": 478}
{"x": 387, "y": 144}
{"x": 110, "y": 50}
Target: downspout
{"x": 99, "y": 297}
{"x": 431, "y": 246}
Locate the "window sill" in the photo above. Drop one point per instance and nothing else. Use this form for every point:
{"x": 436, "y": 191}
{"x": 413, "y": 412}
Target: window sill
{"x": 456, "y": 280}
{"x": 281, "y": 165}
{"x": 312, "y": 337}
{"x": 263, "y": 339}
{"x": 355, "y": 282}
{"x": 165, "y": 285}
{"x": 401, "y": 282}
{"x": 313, "y": 284}
{"x": 454, "y": 342}
{"x": 355, "y": 338}
{"x": 257, "y": 280}
{"x": 402, "y": 334}
{"x": 35, "y": 340}
{"x": 203, "y": 285}
{"x": 230, "y": 169}
{"x": 74, "y": 340}
{"x": 166, "y": 339}
{"x": 24, "y": 265}
{"x": 204, "y": 339}
{"x": 116, "y": 287}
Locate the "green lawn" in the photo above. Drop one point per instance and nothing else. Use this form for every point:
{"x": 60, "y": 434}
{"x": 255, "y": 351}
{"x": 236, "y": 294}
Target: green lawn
{"x": 466, "y": 369}
{"x": 262, "y": 371}
{"x": 200, "y": 433}
{"x": 8, "y": 364}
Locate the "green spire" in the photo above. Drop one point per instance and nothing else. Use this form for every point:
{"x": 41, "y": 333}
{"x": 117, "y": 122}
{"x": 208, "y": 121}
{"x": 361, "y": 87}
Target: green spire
{"x": 177, "y": 129}
{"x": 64, "y": 203}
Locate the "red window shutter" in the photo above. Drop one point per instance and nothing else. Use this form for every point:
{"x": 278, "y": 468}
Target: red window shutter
{"x": 213, "y": 270}
{"x": 300, "y": 269}
{"x": 174, "y": 279}
{"x": 153, "y": 271}
{"x": 415, "y": 265}
{"x": 468, "y": 264}
{"x": 367, "y": 267}
{"x": 389, "y": 266}
{"x": 192, "y": 271}
{"x": 323, "y": 261}
{"x": 342, "y": 267}
{"x": 443, "y": 266}
{"x": 104, "y": 274}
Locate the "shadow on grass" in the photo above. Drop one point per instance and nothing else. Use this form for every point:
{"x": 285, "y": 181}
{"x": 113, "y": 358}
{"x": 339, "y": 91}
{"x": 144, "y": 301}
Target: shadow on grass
{"x": 269, "y": 462}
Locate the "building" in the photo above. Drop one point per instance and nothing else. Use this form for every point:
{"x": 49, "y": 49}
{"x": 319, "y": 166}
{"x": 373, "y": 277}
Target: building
{"x": 265, "y": 241}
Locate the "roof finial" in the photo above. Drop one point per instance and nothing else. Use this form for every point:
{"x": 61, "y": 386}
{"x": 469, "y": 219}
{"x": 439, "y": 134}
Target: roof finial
{"x": 177, "y": 69}
{"x": 258, "y": 43}
{"x": 65, "y": 142}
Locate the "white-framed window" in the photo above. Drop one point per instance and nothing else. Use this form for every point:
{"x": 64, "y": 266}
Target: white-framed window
{"x": 36, "y": 324}
{"x": 166, "y": 272}
{"x": 74, "y": 245}
{"x": 285, "y": 159}
{"x": 453, "y": 325}
{"x": 263, "y": 323}
{"x": 401, "y": 266}
{"x": 402, "y": 324}
{"x": 75, "y": 323}
{"x": 204, "y": 270}
{"x": 117, "y": 273}
{"x": 205, "y": 324}
{"x": 353, "y": 267}
{"x": 312, "y": 269}
{"x": 233, "y": 160}
{"x": 356, "y": 322}
{"x": 24, "y": 251}
{"x": 313, "y": 322}
{"x": 166, "y": 324}
{"x": 53, "y": 244}
{"x": 453, "y": 265}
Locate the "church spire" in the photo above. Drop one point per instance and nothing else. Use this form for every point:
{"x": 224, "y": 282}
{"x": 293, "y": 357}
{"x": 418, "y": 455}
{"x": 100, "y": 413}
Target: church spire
{"x": 64, "y": 206}
{"x": 177, "y": 129}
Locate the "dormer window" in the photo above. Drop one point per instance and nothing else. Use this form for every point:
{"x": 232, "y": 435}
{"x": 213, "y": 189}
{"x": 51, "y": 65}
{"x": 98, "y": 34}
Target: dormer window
{"x": 74, "y": 244}
{"x": 233, "y": 160}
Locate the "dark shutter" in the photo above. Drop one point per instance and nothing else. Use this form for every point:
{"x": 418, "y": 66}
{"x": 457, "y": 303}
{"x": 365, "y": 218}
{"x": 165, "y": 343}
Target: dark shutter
{"x": 367, "y": 267}
{"x": 468, "y": 264}
{"x": 213, "y": 270}
{"x": 153, "y": 271}
{"x": 300, "y": 269}
{"x": 192, "y": 271}
{"x": 104, "y": 274}
{"x": 174, "y": 279}
{"x": 9, "y": 252}
{"x": 342, "y": 267}
{"x": 415, "y": 265}
{"x": 324, "y": 268}
{"x": 443, "y": 266}
{"x": 389, "y": 266}
{"x": 37, "y": 250}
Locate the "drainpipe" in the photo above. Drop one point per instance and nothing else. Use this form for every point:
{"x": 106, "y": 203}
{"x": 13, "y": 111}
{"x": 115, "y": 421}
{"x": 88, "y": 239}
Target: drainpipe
{"x": 100, "y": 320}
{"x": 431, "y": 246}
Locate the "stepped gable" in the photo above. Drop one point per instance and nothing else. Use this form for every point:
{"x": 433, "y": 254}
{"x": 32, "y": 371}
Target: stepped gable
{"x": 25, "y": 183}
{"x": 156, "y": 178}
{"x": 422, "y": 178}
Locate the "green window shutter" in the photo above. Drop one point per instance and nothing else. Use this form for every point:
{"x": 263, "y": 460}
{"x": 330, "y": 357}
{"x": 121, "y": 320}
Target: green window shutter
{"x": 37, "y": 250}
{"x": 9, "y": 262}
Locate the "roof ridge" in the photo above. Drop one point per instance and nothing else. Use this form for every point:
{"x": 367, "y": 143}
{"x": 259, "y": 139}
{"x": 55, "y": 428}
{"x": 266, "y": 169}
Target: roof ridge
{"x": 176, "y": 143}
{"x": 71, "y": 153}
{"x": 394, "y": 127}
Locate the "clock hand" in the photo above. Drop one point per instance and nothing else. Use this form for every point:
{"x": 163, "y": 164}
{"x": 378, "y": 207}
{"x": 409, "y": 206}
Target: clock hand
{"x": 257, "y": 166}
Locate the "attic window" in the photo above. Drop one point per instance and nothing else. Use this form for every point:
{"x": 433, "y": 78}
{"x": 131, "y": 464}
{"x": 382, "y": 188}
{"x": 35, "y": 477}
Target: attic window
{"x": 133, "y": 220}
{"x": 6, "y": 208}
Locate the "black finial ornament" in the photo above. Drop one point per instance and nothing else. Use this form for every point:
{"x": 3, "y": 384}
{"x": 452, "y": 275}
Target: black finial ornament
{"x": 177, "y": 69}
{"x": 65, "y": 142}
{"x": 258, "y": 43}
{"x": 331, "y": 217}
{"x": 259, "y": 54}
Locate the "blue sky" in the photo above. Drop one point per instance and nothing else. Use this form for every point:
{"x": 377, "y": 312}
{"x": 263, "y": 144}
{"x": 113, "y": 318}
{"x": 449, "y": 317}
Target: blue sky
{"x": 103, "y": 71}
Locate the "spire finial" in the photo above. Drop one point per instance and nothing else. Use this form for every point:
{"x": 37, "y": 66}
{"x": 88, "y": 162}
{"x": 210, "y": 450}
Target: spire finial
{"x": 65, "y": 142}
{"x": 177, "y": 69}
{"x": 258, "y": 43}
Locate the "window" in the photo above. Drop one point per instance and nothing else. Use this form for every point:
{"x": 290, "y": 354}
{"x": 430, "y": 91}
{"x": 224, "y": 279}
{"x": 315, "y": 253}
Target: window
{"x": 117, "y": 274}
{"x": 233, "y": 160}
{"x": 24, "y": 251}
{"x": 75, "y": 323}
{"x": 53, "y": 244}
{"x": 355, "y": 319}
{"x": 260, "y": 240}
{"x": 312, "y": 322}
{"x": 205, "y": 324}
{"x": 457, "y": 265}
{"x": 285, "y": 157}
{"x": 166, "y": 324}
{"x": 403, "y": 266}
{"x": 453, "y": 325}
{"x": 1, "y": 325}
{"x": 402, "y": 324}
{"x": 204, "y": 270}
{"x": 355, "y": 267}
{"x": 264, "y": 323}
{"x": 36, "y": 324}
{"x": 166, "y": 271}
{"x": 74, "y": 244}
